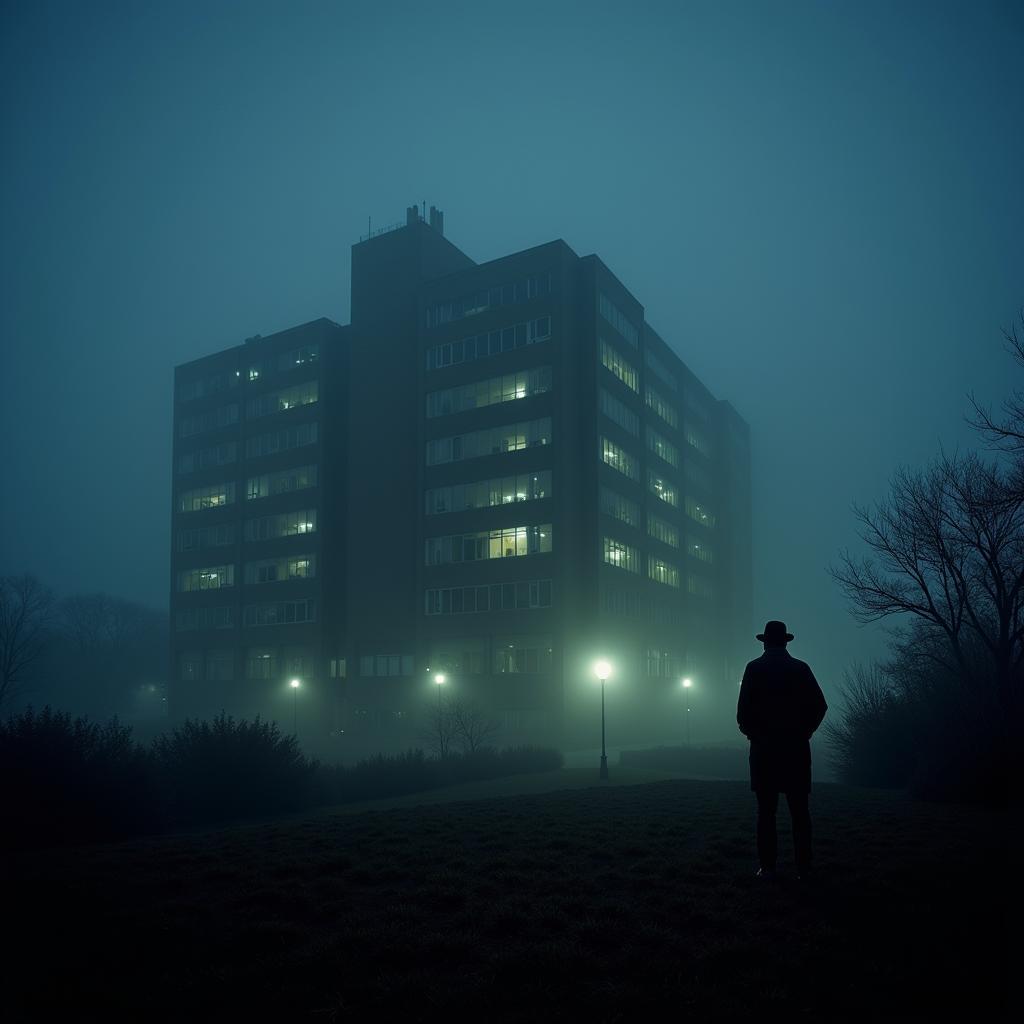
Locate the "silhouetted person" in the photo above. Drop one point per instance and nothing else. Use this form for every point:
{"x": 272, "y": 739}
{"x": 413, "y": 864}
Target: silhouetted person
{"x": 780, "y": 707}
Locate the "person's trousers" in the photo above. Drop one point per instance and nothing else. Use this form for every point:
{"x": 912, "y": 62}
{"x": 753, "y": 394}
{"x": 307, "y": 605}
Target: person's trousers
{"x": 767, "y": 836}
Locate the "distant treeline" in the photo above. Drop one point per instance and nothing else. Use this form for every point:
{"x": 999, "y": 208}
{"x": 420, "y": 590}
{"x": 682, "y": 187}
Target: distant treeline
{"x": 70, "y": 780}
{"x": 91, "y": 654}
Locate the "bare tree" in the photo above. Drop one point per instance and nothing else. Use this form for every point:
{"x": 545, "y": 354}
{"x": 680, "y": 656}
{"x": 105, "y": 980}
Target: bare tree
{"x": 26, "y": 617}
{"x": 1005, "y": 433}
{"x": 947, "y": 548}
{"x": 440, "y": 730}
{"x": 98, "y": 621}
{"x": 472, "y": 726}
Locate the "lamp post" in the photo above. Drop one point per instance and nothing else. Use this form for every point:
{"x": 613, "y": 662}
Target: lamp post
{"x": 602, "y": 669}
{"x": 687, "y": 685}
{"x": 295, "y": 706}
{"x": 442, "y": 745}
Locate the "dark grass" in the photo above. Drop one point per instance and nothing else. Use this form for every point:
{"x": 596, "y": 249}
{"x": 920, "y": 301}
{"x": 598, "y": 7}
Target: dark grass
{"x": 606, "y": 904}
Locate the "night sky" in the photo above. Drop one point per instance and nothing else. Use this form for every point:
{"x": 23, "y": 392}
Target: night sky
{"x": 819, "y": 205}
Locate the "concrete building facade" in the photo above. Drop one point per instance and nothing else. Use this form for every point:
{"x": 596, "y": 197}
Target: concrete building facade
{"x": 512, "y": 474}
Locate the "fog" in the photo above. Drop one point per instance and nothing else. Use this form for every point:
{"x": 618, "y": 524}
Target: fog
{"x": 818, "y": 205}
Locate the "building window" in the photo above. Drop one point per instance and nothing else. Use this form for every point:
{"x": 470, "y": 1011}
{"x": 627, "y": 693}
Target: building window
{"x": 211, "y": 617}
{"x": 287, "y": 524}
{"x": 481, "y": 346}
{"x": 615, "y": 364}
{"x": 260, "y": 663}
{"x": 663, "y": 489}
{"x": 619, "y": 459}
{"x": 201, "y": 498}
{"x": 298, "y": 357}
{"x": 220, "y": 664}
{"x": 508, "y": 542}
{"x": 661, "y": 405}
{"x": 299, "y": 663}
{"x": 299, "y": 436}
{"x": 531, "y": 287}
{"x": 277, "y": 570}
{"x": 493, "y": 391}
{"x": 663, "y": 531}
{"x": 620, "y": 555}
{"x": 699, "y": 550}
{"x": 465, "y": 656}
{"x": 622, "y": 603}
{"x": 279, "y": 613}
{"x": 338, "y": 668}
{"x": 660, "y": 370}
{"x": 663, "y": 448}
{"x": 698, "y": 586}
{"x": 696, "y": 440}
{"x": 190, "y": 666}
{"x": 699, "y": 513}
{"x": 505, "y": 490}
{"x": 297, "y": 478}
{"x": 523, "y": 655}
{"x": 203, "y": 387}
{"x": 495, "y": 441}
{"x": 491, "y": 597}
{"x": 618, "y": 319}
{"x": 619, "y": 413}
{"x": 662, "y": 572}
{"x": 620, "y": 508}
{"x": 372, "y": 665}
{"x": 663, "y": 664}
{"x": 222, "y": 416}
{"x": 206, "y": 537}
{"x": 215, "y": 577}
{"x": 217, "y": 455}
{"x": 280, "y": 401}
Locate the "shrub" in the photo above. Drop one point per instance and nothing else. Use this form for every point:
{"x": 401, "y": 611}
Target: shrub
{"x": 70, "y": 780}
{"x": 210, "y": 771}
{"x": 871, "y": 739}
{"x": 965, "y": 750}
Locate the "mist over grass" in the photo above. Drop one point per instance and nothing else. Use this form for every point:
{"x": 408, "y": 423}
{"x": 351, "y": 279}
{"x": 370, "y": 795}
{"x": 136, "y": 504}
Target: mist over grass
{"x": 621, "y": 903}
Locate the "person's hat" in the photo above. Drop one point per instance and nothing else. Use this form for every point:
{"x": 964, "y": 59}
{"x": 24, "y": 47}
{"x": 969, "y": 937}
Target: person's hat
{"x": 774, "y": 631}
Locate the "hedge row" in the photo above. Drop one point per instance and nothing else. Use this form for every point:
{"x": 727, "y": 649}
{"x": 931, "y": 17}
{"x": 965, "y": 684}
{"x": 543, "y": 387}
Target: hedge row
{"x": 68, "y": 780}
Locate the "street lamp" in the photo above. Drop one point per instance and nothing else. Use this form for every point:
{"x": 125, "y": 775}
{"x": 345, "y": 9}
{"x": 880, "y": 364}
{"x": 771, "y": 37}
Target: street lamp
{"x": 295, "y": 706}
{"x": 687, "y": 684}
{"x": 602, "y": 669}
{"x": 440, "y": 679}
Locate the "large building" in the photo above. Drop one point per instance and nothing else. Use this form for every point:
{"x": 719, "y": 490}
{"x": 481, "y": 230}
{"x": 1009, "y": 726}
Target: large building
{"x": 497, "y": 472}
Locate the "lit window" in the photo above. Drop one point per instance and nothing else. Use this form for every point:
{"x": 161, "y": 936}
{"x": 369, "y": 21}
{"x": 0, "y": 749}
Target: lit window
{"x": 620, "y": 555}
{"x": 619, "y": 459}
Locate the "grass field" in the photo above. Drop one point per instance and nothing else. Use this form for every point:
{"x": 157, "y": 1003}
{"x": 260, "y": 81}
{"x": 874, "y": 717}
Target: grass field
{"x": 617, "y": 903}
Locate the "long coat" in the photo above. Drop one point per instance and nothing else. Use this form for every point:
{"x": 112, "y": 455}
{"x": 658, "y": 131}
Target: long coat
{"x": 780, "y": 706}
